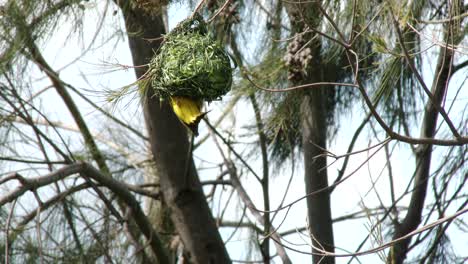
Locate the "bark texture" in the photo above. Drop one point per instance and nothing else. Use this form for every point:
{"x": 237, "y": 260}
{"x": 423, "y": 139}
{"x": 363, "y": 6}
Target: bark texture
{"x": 413, "y": 217}
{"x": 314, "y": 137}
{"x": 180, "y": 185}
{"x": 314, "y": 111}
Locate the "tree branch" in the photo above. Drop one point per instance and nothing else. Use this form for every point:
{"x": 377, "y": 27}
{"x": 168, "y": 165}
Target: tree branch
{"x": 250, "y": 205}
{"x": 118, "y": 188}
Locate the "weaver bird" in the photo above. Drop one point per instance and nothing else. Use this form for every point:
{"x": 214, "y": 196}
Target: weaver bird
{"x": 189, "y": 111}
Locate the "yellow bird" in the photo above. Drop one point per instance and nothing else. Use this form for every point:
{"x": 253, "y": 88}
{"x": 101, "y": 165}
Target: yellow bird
{"x": 189, "y": 111}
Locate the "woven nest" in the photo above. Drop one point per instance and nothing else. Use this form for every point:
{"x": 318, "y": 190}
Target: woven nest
{"x": 191, "y": 63}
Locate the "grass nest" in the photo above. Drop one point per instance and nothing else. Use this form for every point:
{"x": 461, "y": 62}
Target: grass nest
{"x": 191, "y": 63}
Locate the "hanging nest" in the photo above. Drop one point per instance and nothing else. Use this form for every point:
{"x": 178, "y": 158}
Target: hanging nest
{"x": 191, "y": 63}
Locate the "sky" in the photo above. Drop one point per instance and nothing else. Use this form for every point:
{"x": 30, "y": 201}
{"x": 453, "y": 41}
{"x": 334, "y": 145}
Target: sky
{"x": 99, "y": 67}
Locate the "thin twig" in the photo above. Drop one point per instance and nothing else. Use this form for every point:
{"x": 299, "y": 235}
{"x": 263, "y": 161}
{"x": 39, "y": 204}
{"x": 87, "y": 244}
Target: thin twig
{"x": 422, "y": 83}
{"x": 219, "y": 11}
{"x": 198, "y": 7}
{"x": 386, "y": 245}
{"x": 7, "y": 228}
{"x": 249, "y": 203}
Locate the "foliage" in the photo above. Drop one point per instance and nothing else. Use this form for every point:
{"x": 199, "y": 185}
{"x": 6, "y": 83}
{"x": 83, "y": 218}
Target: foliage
{"x": 51, "y": 216}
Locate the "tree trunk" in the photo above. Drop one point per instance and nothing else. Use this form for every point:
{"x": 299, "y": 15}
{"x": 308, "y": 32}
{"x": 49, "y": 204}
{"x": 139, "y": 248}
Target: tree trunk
{"x": 179, "y": 183}
{"x": 412, "y": 219}
{"x": 314, "y": 112}
{"x": 314, "y": 137}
